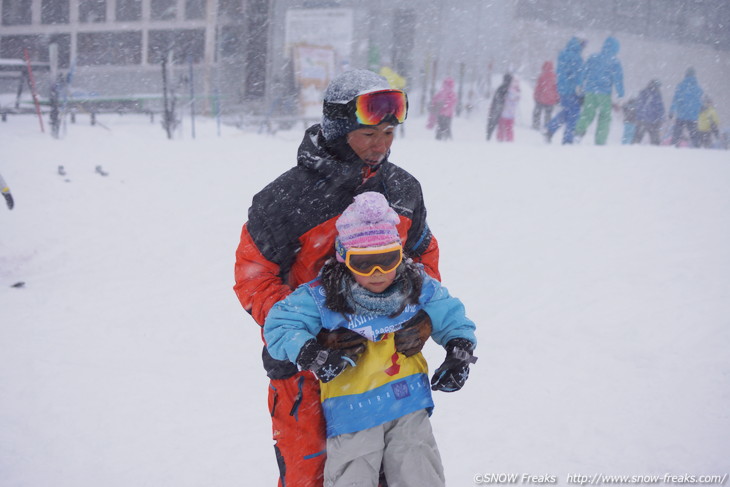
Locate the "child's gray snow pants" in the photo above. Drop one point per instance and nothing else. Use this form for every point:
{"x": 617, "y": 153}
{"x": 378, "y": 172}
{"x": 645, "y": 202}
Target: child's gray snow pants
{"x": 405, "y": 446}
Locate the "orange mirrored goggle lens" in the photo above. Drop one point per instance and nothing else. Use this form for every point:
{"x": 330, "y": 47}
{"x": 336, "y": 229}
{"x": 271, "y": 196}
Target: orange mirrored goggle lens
{"x": 372, "y": 108}
{"x": 366, "y": 262}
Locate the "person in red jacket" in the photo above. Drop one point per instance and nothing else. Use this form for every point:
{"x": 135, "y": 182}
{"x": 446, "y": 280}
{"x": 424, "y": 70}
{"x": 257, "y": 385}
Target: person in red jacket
{"x": 290, "y": 234}
{"x": 546, "y": 95}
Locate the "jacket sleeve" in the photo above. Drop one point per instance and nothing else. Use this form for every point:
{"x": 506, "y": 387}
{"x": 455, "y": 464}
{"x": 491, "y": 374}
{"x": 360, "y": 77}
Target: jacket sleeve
{"x": 420, "y": 245}
{"x": 258, "y": 281}
{"x": 448, "y": 317}
{"x": 619, "y": 79}
{"x": 430, "y": 259}
{"x": 291, "y": 323}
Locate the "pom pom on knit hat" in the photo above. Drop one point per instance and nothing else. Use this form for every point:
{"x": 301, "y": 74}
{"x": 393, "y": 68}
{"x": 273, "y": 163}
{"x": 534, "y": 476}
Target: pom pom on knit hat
{"x": 343, "y": 89}
{"x": 368, "y": 222}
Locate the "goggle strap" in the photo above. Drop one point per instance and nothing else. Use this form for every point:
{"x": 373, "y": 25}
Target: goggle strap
{"x": 336, "y": 110}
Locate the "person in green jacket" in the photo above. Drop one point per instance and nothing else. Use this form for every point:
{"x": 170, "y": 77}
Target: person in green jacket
{"x": 603, "y": 73}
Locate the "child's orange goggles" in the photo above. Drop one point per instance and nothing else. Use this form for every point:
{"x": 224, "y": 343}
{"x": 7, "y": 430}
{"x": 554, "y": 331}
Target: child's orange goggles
{"x": 364, "y": 262}
{"x": 371, "y": 108}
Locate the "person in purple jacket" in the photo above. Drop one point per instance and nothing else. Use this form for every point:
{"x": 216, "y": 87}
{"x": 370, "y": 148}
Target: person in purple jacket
{"x": 649, "y": 113}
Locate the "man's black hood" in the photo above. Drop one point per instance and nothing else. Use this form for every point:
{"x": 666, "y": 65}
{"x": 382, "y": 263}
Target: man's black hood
{"x": 334, "y": 160}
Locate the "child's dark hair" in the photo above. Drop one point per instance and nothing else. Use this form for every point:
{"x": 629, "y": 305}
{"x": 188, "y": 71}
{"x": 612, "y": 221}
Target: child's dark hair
{"x": 337, "y": 282}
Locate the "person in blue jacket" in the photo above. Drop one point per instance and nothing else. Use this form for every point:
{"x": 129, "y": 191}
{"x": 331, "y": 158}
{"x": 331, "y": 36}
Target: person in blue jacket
{"x": 686, "y": 106}
{"x": 570, "y": 78}
{"x": 603, "y": 73}
{"x": 376, "y": 401}
{"x": 649, "y": 113}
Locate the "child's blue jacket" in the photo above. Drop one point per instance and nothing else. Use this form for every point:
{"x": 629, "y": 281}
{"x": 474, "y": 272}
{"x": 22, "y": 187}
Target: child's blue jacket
{"x": 384, "y": 385}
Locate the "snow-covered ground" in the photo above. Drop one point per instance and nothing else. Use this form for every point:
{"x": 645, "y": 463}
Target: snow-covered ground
{"x": 599, "y": 278}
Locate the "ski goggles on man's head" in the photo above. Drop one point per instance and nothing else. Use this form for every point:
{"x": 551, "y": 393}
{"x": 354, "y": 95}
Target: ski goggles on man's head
{"x": 364, "y": 262}
{"x": 371, "y": 108}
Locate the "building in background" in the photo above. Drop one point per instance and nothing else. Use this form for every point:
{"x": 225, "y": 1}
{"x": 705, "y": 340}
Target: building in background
{"x": 115, "y": 47}
{"x": 272, "y": 56}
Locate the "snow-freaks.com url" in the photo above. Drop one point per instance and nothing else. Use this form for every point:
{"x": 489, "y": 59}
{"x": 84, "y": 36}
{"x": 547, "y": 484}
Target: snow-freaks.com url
{"x": 599, "y": 479}
{"x": 669, "y": 479}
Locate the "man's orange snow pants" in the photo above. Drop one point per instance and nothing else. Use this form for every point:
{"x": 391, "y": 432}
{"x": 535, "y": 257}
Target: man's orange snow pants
{"x": 298, "y": 430}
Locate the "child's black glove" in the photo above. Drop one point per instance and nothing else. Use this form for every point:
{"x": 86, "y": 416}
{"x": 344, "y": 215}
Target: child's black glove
{"x": 411, "y": 338}
{"x": 324, "y": 362}
{"x": 452, "y": 374}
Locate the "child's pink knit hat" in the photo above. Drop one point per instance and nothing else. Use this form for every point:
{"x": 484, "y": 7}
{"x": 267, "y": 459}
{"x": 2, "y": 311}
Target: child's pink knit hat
{"x": 368, "y": 222}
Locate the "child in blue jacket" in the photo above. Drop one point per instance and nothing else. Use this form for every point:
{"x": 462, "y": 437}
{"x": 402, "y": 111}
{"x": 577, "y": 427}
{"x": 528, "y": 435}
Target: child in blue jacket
{"x": 376, "y": 401}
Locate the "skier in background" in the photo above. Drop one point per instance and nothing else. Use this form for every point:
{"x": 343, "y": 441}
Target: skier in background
{"x": 497, "y": 105}
{"x": 506, "y": 123}
{"x": 6, "y": 193}
{"x": 686, "y": 106}
{"x": 649, "y": 113}
{"x": 443, "y": 106}
{"x": 603, "y": 73}
{"x": 629, "y": 110}
{"x": 708, "y": 123}
{"x": 545, "y": 95}
{"x": 570, "y": 79}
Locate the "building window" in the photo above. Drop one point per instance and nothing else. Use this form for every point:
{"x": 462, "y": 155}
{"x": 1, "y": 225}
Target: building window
{"x": 186, "y": 45}
{"x": 194, "y": 9}
{"x": 231, "y": 40}
{"x": 91, "y": 11}
{"x": 230, "y": 9}
{"x": 54, "y": 12}
{"x": 12, "y": 47}
{"x": 64, "y": 48}
{"x": 163, "y": 9}
{"x": 109, "y": 48}
{"x": 129, "y": 10}
{"x": 17, "y": 12}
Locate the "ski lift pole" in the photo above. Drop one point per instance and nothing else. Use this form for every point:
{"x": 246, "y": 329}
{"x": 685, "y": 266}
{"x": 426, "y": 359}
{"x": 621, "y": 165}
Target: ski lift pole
{"x": 166, "y": 114}
{"x": 33, "y": 91}
{"x": 217, "y": 110}
{"x": 192, "y": 96}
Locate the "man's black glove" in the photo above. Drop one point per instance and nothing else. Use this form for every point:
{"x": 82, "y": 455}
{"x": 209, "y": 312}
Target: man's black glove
{"x": 324, "y": 362}
{"x": 346, "y": 341}
{"x": 411, "y": 338}
{"x": 452, "y": 374}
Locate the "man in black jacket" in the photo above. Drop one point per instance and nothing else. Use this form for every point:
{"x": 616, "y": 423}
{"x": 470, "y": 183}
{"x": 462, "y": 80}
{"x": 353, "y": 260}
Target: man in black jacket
{"x": 290, "y": 234}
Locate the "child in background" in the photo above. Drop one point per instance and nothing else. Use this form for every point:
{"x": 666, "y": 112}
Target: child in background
{"x": 708, "y": 123}
{"x": 545, "y": 95}
{"x": 629, "y": 110}
{"x": 376, "y": 401}
{"x": 443, "y": 107}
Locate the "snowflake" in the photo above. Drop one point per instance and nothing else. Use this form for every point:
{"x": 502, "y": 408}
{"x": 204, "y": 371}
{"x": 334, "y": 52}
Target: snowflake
{"x": 328, "y": 373}
{"x": 463, "y": 375}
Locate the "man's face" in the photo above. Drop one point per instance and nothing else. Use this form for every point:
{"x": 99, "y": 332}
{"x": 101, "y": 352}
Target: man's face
{"x": 372, "y": 144}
